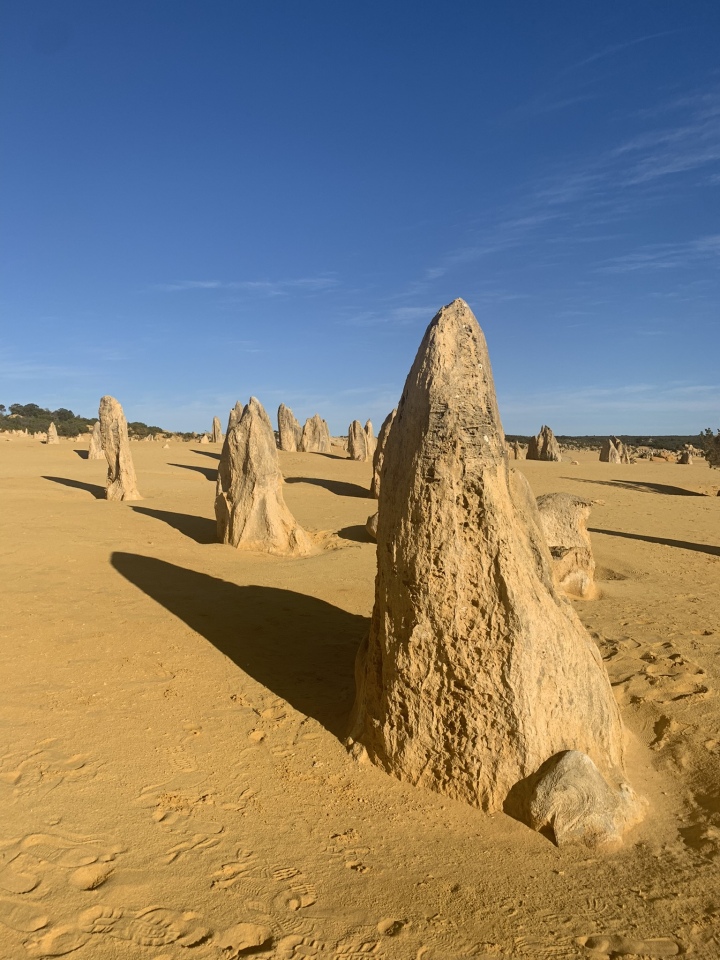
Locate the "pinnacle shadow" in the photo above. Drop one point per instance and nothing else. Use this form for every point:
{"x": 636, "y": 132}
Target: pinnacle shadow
{"x": 642, "y": 486}
{"x": 83, "y": 454}
{"x": 208, "y": 453}
{"x": 301, "y": 648}
{"x": 358, "y": 533}
{"x": 199, "y": 529}
{"x": 682, "y": 544}
{"x": 207, "y": 472}
{"x": 95, "y": 489}
{"x": 339, "y": 487}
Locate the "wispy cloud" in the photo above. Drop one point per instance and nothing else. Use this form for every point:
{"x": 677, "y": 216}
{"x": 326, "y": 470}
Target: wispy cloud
{"x": 664, "y": 256}
{"x": 615, "y": 48}
{"x": 268, "y": 288}
{"x": 37, "y": 370}
{"x": 396, "y": 315}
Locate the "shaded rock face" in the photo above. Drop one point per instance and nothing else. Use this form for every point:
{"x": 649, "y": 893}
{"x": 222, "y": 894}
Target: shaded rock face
{"x": 95, "y": 451}
{"x": 563, "y": 518}
{"x": 370, "y": 439}
{"x": 52, "y": 434}
{"x": 249, "y": 506}
{"x": 315, "y": 437}
{"x": 357, "y": 442}
{"x": 685, "y": 458}
{"x": 217, "y": 435}
{"x": 289, "y": 429}
{"x": 379, "y": 455}
{"x": 609, "y": 452}
{"x": 544, "y": 446}
{"x": 121, "y": 482}
{"x": 371, "y": 525}
{"x": 475, "y": 672}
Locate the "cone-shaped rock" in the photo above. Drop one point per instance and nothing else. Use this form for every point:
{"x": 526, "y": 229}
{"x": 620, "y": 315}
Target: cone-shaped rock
{"x": 289, "y": 430}
{"x": 357, "y": 441}
{"x": 544, "y": 446}
{"x": 217, "y": 435}
{"x": 249, "y": 505}
{"x": 379, "y": 455}
{"x": 475, "y": 672}
{"x": 204, "y": 439}
{"x": 371, "y": 439}
{"x": 563, "y": 518}
{"x": 121, "y": 483}
{"x": 315, "y": 436}
{"x": 52, "y": 434}
{"x": 95, "y": 451}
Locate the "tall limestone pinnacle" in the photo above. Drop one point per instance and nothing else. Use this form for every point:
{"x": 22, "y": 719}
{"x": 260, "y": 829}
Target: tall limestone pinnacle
{"x": 121, "y": 482}
{"x": 475, "y": 673}
{"x": 249, "y": 505}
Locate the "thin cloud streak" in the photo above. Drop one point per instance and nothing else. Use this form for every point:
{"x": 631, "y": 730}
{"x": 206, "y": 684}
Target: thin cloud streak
{"x": 270, "y": 288}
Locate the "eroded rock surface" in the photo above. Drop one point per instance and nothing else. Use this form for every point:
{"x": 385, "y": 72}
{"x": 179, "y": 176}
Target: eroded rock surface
{"x": 315, "y": 436}
{"x": 217, "y": 434}
{"x": 95, "y": 451}
{"x": 289, "y": 430}
{"x": 52, "y": 434}
{"x": 563, "y": 518}
{"x": 371, "y": 439}
{"x": 544, "y": 446}
{"x": 379, "y": 455}
{"x": 121, "y": 481}
{"x": 249, "y": 505}
{"x": 475, "y": 672}
{"x": 357, "y": 442}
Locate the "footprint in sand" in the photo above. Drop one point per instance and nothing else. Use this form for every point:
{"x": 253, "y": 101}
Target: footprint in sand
{"x": 230, "y": 873}
{"x": 23, "y": 917}
{"x": 27, "y": 859}
{"x": 619, "y": 946}
{"x": 151, "y": 927}
{"x": 43, "y": 767}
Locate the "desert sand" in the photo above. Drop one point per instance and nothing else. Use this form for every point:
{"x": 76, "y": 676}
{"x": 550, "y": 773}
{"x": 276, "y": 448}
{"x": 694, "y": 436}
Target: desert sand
{"x": 173, "y": 778}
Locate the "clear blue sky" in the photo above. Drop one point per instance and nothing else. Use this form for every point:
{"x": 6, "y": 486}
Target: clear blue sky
{"x": 207, "y": 200}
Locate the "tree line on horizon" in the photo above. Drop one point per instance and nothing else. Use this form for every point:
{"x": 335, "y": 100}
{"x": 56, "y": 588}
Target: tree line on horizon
{"x": 37, "y": 419}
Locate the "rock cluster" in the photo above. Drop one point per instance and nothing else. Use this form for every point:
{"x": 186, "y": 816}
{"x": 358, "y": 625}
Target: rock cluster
{"x": 289, "y": 430}
{"x": 379, "y": 455}
{"x": 563, "y": 518}
{"x": 95, "y": 451}
{"x": 475, "y": 672}
{"x": 544, "y": 446}
{"x": 121, "y": 482}
{"x": 614, "y": 450}
{"x": 249, "y": 505}
{"x": 315, "y": 437}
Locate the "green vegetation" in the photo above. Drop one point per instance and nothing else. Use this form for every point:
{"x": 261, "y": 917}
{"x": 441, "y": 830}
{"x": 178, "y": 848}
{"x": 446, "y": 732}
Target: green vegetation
{"x": 35, "y": 419}
{"x": 710, "y": 443}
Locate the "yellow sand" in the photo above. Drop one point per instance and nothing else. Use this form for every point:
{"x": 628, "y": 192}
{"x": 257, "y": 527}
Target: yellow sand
{"x": 172, "y": 777}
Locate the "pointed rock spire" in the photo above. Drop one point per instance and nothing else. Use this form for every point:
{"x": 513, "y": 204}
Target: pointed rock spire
{"x": 249, "y": 505}
{"x": 475, "y": 672}
{"x": 95, "y": 451}
{"x": 121, "y": 482}
{"x": 289, "y": 430}
{"x": 379, "y": 455}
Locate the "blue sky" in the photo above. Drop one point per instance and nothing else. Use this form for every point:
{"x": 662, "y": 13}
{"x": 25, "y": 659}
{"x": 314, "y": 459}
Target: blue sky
{"x": 207, "y": 200}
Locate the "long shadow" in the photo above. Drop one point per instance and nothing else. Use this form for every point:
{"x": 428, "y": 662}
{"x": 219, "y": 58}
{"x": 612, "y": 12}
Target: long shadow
{"x": 301, "y": 648}
{"x": 97, "y": 491}
{"x": 83, "y": 454}
{"x": 358, "y": 533}
{"x": 338, "y": 487}
{"x": 642, "y": 485}
{"x": 199, "y": 529}
{"x": 207, "y": 472}
{"x": 208, "y": 453}
{"x": 683, "y": 544}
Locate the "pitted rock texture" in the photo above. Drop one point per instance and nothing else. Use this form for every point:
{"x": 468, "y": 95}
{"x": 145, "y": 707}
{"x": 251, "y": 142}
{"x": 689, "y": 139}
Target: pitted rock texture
{"x": 544, "y": 446}
{"x": 475, "y": 671}
{"x": 563, "y": 518}
{"x": 379, "y": 455}
{"x": 315, "y": 436}
{"x": 121, "y": 481}
{"x": 289, "y": 430}
{"x": 249, "y": 505}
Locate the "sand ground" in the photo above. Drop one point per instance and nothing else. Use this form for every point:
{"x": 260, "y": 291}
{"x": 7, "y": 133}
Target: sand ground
{"x": 172, "y": 777}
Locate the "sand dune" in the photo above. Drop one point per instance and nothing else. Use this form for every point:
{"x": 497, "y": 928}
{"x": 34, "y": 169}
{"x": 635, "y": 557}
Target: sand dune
{"x": 172, "y": 774}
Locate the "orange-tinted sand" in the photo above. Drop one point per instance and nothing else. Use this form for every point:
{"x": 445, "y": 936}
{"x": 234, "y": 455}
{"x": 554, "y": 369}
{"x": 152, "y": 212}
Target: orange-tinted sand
{"x": 172, "y": 776}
